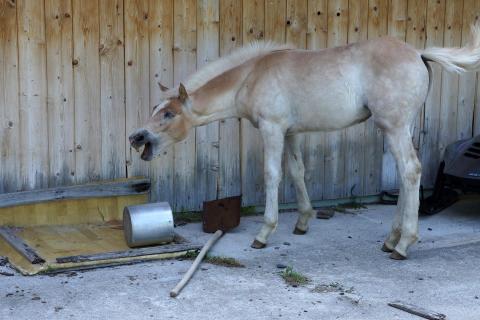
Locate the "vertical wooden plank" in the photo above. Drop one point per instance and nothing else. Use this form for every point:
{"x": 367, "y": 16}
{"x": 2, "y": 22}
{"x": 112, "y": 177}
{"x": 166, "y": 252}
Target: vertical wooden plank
{"x": 275, "y": 20}
{"x": 449, "y": 94}
{"x": 296, "y": 34}
{"x": 229, "y": 180}
{"x": 60, "y": 99}
{"x": 397, "y": 27}
{"x": 275, "y": 30}
{"x": 9, "y": 102}
{"x": 184, "y": 57}
{"x": 355, "y": 141}
{"x": 33, "y": 94}
{"x": 206, "y": 166}
{"x": 314, "y": 153}
{"x": 161, "y": 71}
{"x": 416, "y": 22}
{"x": 137, "y": 95}
{"x": 112, "y": 91}
{"x": 87, "y": 91}
{"x": 335, "y": 141}
{"x": 373, "y": 154}
{"x": 429, "y": 145}
{"x": 467, "y": 81}
{"x": 251, "y": 142}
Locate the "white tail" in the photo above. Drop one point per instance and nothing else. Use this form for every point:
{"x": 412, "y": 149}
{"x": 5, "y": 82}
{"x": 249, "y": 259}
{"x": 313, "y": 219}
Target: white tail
{"x": 458, "y": 60}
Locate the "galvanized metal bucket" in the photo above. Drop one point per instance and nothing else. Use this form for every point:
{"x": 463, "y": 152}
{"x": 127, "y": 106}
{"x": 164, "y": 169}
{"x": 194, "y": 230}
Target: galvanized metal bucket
{"x": 148, "y": 224}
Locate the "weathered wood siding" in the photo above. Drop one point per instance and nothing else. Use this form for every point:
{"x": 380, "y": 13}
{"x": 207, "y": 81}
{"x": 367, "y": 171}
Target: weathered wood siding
{"x": 76, "y": 76}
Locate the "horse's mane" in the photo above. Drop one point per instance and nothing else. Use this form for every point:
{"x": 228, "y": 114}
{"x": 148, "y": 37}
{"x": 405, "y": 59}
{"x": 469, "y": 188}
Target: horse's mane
{"x": 228, "y": 62}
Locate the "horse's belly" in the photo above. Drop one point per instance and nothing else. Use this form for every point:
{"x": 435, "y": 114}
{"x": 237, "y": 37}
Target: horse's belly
{"x": 330, "y": 113}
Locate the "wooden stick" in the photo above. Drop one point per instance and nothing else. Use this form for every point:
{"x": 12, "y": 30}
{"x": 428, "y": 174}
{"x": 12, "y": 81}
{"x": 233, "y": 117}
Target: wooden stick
{"x": 18, "y": 244}
{"x": 166, "y": 248}
{"x": 196, "y": 263}
{"x": 418, "y": 311}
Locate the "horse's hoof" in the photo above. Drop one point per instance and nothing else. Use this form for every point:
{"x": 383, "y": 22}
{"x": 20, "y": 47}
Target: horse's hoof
{"x": 386, "y": 249}
{"x": 299, "y": 231}
{"x": 257, "y": 244}
{"x": 397, "y": 256}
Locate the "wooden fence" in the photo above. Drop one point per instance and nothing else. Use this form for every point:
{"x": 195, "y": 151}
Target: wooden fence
{"x": 76, "y": 76}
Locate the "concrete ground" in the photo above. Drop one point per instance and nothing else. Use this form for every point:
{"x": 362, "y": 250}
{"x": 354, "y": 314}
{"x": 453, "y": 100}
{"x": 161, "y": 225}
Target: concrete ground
{"x": 350, "y": 278}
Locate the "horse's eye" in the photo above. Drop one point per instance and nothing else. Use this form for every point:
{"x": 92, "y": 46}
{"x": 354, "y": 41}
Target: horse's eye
{"x": 168, "y": 115}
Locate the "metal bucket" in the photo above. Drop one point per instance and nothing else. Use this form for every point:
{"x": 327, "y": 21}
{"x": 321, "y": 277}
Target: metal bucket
{"x": 148, "y": 224}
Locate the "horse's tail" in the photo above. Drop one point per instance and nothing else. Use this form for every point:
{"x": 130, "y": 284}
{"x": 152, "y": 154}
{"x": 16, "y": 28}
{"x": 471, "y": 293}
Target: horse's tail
{"x": 457, "y": 60}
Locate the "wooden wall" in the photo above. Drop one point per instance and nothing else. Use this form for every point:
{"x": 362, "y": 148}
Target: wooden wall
{"x": 76, "y": 76}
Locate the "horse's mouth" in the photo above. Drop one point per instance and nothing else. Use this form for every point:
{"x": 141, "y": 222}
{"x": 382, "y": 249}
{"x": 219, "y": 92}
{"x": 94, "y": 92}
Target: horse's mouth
{"x": 147, "y": 153}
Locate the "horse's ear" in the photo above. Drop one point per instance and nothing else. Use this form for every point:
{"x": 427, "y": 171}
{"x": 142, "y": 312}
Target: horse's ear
{"x": 182, "y": 93}
{"x": 162, "y": 87}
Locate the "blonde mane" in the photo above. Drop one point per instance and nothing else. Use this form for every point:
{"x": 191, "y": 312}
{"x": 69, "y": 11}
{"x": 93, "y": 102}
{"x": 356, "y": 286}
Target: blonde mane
{"x": 228, "y": 62}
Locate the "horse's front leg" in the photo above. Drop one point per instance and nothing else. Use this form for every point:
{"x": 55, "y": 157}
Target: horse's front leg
{"x": 273, "y": 140}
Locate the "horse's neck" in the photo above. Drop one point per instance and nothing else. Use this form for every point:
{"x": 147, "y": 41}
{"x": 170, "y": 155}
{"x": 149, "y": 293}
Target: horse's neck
{"x": 215, "y": 100}
{"x": 214, "y": 107}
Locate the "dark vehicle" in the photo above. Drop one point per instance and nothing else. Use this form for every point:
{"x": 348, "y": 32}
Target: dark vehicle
{"x": 459, "y": 170}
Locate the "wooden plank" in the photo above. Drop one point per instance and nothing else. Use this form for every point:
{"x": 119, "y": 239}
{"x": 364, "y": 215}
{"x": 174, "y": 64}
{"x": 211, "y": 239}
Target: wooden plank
{"x": 87, "y": 91}
{"x": 467, "y": 81}
{"x": 373, "y": 152}
{"x": 24, "y": 249}
{"x": 276, "y": 19}
{"x": 207, "y": 139}
{"x": 418, "y": 311}
{"x": 166, "y": 248}
{"x": 416, "y": 36}
{"x": 314, "y": 152}
{"x": 397, "y": 27}
{"x": 9, "y": 100}
{"x": 229, "y": 175}
{"x": 335, "y": 141}
{"x": 94, "y": 190}
{"x": 137, "y": 86}
{"x": 449, "y": 94}
{"x": 161, "y": 71}
{"x": 112, "y": 90}
{"x": 33, "y": 158}
{"x": 184, "y": 57}
{"x": 355, "y": 139}
{"x": 296, "y": 34}
{"x": 275, "y": 30}
{"x": 430, "y": 155}
{"x": 60, "y": 95}
{"x": 253, "y": 191}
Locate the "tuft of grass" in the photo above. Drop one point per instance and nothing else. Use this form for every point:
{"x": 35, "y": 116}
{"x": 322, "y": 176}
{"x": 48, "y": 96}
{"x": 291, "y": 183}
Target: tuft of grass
{"x": 345, "y": 207}
{"x": 248, "y": 211}
{"x": 216, "y": 260}
{"x": 187, "y": 217}
{"x": 293, "y": 277}
{"x": 224, "y": 261}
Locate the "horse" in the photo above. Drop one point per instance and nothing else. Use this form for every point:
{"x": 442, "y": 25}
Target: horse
{"x": 285, "y": 91}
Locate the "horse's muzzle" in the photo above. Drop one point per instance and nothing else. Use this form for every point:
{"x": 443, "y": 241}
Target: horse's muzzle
{"x": 142, "y": 138}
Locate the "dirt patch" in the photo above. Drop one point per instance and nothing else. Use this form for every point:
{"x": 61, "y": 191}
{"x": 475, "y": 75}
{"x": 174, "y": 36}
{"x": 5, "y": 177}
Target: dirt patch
{"x": 216, "y": 260}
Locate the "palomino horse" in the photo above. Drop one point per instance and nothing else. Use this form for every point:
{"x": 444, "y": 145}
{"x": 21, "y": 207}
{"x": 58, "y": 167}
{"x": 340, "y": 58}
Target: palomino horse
{"x": 284, "y": 91}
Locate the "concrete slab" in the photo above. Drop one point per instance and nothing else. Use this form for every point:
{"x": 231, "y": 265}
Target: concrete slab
{"x": 442, "y": 274}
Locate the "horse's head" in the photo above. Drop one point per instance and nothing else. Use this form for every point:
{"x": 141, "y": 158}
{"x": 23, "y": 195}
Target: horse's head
{"x": 169, "y": 123}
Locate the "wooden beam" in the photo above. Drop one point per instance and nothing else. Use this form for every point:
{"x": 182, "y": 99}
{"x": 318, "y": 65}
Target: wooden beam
{"x": 167, "y": 248}
{"x": 16, "y": 242}
{"x": 418, "y": 311}
{"x": 97, "y": 190}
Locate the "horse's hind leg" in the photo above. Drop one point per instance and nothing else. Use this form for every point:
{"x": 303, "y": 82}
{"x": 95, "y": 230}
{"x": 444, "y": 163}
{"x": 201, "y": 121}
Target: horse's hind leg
{"x": 296, "y": 169}
{"x": 409, "y": 170}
